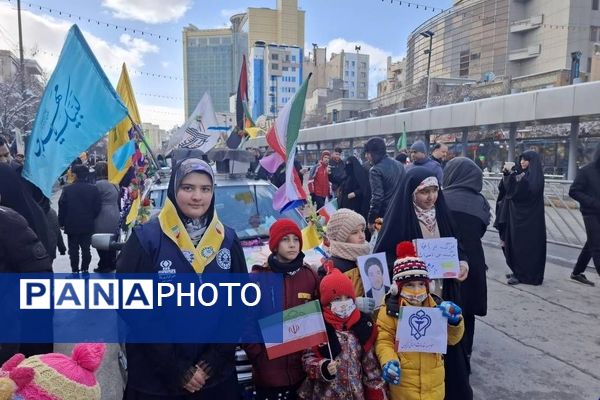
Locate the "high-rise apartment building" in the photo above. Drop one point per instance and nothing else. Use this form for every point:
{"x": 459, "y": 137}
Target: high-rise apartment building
{"x": 353, "y": 70}
{"x": 212, "y": 58}
{"x": 275, "y": 75}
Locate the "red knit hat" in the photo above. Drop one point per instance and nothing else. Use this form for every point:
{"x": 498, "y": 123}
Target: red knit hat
{"x": 335, "y": 284}
{"x": 280, "y": 229}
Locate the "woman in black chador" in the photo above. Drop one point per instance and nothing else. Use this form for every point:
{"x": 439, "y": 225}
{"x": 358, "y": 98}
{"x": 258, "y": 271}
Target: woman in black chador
{"x": 520, "y": 220}
{"x": 418, "y": 210}
{"x": 355, "y": 193}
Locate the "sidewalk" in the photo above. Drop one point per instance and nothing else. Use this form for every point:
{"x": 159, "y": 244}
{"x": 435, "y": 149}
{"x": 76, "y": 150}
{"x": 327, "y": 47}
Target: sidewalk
{"x": 537, "y": 342}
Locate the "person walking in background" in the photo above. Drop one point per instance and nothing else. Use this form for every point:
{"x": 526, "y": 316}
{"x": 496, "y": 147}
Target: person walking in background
{"x": 54, "y": 234}
{"x": 586, "y": 190}
{"x": 355, "y": 191}
{"x": 521, "y": 220}
{"x": 318, "y": 184}
{"x": 107, "y": 220}
{"x": 440, "y": 153}
{"x": 78, "y": 207}
{"x": 402, "y": 158}
{"x": 463, "y": 182}
{"x": 419, "y": 158}
{"x": 337, "y": 171}
{"x": 385, "y": 174}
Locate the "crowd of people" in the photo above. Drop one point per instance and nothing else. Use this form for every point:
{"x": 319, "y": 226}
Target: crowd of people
{"x": 426, "y": 199}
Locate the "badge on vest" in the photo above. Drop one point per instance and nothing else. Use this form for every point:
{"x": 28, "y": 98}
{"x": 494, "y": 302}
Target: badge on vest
{"x": 166, "y": 271}
{"x": 207, "y": 252}
{"x": 224, "y": 259}
{"x": 188, "y": 256}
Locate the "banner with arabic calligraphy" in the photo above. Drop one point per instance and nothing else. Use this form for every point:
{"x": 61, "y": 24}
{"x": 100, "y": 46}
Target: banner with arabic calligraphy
{"x": 78, "y": 107}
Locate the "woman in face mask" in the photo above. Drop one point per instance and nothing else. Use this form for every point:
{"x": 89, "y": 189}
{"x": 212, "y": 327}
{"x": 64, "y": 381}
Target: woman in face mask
{"x": 187, "y": 237}
{"x": 346, "y": 368}
{"x": 418, "y": 210}
{"x": 413, "y": 375}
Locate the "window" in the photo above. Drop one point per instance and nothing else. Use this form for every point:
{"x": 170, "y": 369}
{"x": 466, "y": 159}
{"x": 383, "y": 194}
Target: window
{"x": 351, "y": 94}
{"x": 284, "y": 68}
{"x": 363, "y": 74}
{"x": 352, "y": 73}
{"x": 354, "y": 63}
{"x": 594, "y": 4}
{"x": 275, "y": 66}
{"x": 274, "y": 56}
{"x": 293, "y": 58}
{"x": 272, "y": 88}
{"x": 287, "y": 58}
{"x": 362, "y": 85}
{"x": 363, "y": 65}
{"x": 362, "y": 95}
{"x": 346, "y": 73}
{"x": 464, "y": 64}
{"x": 594, "y": 33}
{"x": 347, "y": 64}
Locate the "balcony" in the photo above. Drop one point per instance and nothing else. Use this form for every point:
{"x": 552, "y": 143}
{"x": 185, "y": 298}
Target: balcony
{"x": 527, "y": 24}
{"x": 525, "y": 53}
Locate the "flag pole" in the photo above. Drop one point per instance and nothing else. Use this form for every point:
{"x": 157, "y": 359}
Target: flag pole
{"x": 141, "y": 135}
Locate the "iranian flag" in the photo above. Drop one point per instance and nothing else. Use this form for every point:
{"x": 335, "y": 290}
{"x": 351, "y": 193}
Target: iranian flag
{"x": 303, "y": 327}
{"x": 282, "y": 138}
{"x": 328, "y": 209}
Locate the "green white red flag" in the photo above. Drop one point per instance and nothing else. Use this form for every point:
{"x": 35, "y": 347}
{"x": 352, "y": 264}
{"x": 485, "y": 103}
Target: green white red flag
{"x": 303, "y": 327}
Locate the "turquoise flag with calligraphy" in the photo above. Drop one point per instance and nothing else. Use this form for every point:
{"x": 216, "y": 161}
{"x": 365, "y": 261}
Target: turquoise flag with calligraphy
{"x": 78, "y": 107}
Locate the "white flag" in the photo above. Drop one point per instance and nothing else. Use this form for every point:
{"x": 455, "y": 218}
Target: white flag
{"x": 201, "y": 131}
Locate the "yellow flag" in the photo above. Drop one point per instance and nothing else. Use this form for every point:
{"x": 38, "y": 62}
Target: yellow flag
{"x": 253, "y": 131}
{"x": 310, "y": 237}
{"x": 133, "y": 211}
{"x": 120, "y": 134}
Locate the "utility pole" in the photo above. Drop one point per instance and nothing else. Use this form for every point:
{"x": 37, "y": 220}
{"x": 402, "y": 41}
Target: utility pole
{"x": 428, "y": 34}
{"x": 22, "y": 61}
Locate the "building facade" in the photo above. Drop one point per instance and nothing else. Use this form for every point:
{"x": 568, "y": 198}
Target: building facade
{"x": 212, "y": 58}
{"x": 207, "y": 66}
{"x": 353, "y": 70}
{"x": 154, "y": 136}
{"x": 395, "y": 77}
{"x": 274, "y": 76}
{"x": 486, "y": 40}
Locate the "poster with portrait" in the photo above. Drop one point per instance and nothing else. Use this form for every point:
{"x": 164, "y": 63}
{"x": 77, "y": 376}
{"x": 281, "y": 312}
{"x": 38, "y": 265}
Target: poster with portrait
{"x": 375, "y": 277}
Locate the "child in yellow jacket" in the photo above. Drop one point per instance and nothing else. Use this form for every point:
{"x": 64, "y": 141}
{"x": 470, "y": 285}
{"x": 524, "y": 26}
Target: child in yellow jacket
{"x": 412, "y": 376}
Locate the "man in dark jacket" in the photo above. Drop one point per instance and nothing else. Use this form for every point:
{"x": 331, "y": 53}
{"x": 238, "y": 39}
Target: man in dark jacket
{"x": 586, "y": 190}
{"x": 78, "y": 206}
{"x": 419, "y": 158}
{"x": 383, "y": 177}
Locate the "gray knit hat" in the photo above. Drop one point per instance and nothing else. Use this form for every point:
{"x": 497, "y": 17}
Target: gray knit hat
{"x": 419, "y": 147}
{"x": 342, "y": 223}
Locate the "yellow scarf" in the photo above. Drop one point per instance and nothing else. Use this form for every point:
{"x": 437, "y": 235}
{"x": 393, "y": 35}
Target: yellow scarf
{"x": 208, "y": 246}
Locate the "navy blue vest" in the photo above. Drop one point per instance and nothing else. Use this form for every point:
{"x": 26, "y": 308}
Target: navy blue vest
{"x": 167, "y": 258}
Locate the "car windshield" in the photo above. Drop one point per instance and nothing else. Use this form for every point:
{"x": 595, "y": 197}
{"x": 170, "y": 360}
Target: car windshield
{"x": 247, "y": 209}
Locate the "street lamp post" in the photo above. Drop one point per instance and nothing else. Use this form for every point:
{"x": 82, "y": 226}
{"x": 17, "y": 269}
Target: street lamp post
{"x": 428, "y": 34}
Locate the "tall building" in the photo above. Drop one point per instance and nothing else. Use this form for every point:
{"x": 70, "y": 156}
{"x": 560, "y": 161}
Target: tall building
{"x": 274, "y": 76}
{"x": 207, "y": 66}
{"x": 487, "y": 39}
{"x": 284, "y": 25}
{"x": 353, "y": 70}
{"x": 212, "y": 57}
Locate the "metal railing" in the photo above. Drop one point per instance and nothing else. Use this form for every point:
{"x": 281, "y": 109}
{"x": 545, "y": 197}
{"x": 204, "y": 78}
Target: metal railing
{"x": 564, "y": 224}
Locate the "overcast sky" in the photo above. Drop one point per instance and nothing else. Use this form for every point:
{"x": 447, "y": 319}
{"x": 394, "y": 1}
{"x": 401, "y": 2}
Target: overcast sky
{"x": 379, "y": 27}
